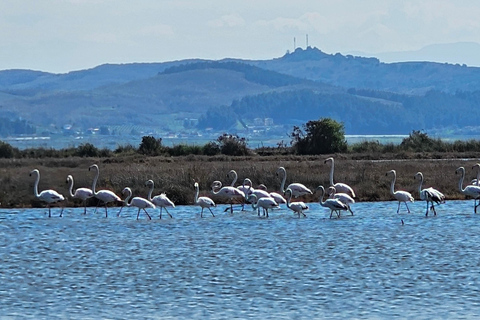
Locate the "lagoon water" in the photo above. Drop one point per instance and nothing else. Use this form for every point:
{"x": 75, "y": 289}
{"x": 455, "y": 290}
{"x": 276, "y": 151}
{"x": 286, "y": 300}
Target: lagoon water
{"x": 366, "y": 266}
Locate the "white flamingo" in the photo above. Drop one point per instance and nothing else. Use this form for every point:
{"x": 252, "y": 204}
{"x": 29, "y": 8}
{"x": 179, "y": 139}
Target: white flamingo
{"x": 275, "y": 195}
{"x": 429, "y": 194}
{"x": 332, "y": 204}
{"x": 161, "y": 200}
{"x": 139, "y": 202}
{"x": 470, "y": 190}
{"x": 80, "y": 193}
{"x": 257, "y": 192}
{"x": 339, "y": 187}
{"x": 49, "y": 196}
{"x": 401, "y": 196}
{"x": 265, "y": 203}
{"x": 343, "y": 197}
{"x": 105, "y": 196}
{"x": 203, "y": 202}
{"x": 476, "y": 181}
{"x": 228, "y": 192}
{"x": 297, "y": 206}
{"x": 297, "y": 189}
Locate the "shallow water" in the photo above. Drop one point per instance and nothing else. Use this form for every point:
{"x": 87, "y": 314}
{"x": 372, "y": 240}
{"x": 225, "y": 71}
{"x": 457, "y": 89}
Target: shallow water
{"x": 241, "y": 266}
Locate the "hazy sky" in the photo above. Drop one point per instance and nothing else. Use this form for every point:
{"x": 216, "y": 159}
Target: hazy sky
{"x": 66, "y": 35}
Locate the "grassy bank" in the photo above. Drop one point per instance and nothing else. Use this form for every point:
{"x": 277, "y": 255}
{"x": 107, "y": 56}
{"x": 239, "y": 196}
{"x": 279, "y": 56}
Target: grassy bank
{"x": 175, "y": 175}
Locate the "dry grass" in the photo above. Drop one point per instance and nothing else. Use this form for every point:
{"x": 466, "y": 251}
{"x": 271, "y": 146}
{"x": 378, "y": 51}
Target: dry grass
{"x": 175, "y": 176}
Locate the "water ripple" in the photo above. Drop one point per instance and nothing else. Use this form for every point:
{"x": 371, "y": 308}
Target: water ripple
{"x": 241, "y": 266}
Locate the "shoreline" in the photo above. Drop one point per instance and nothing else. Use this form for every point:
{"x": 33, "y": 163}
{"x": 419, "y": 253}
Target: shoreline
{"x": 365, "y": 173}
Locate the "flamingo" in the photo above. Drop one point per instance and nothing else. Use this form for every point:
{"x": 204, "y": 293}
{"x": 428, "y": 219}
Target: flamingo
{"x": 332, "y": 204}
{"x": 401, "y": 196}
{"x": 80, "y": 193}
{"x": 298, "y": 206}
{"x": 257, "y": 192}
{"x": 429, "y": 194}
{"x": 339, "y": 187}
{"x": 343, "y": 197}
{"x": 105, "y": 196}
{"x": 140, "y": 203}
{"x": 161, "y": 200}
{"x": 203, "y": 202}
{"x": 470, "y": 190}
{"x": 297, "y": 189}
{"x": 228, "y": 192}
{"x": 49, "y": 196}
{"x": 476, "y": 181}
{"x": 265, "y": 203}
{"x": 277, "y": 196}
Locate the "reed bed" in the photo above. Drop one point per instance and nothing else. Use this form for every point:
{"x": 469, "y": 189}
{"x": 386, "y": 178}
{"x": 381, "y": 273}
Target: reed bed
{"x": 176, "y": 175}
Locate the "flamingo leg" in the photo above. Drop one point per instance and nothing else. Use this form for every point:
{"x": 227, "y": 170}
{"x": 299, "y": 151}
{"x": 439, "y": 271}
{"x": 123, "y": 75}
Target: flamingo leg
{"x": 201, "y": 213}
{"x": 168, "y": 213}
{"x": 398, "y": 208}
{"x": 211, "y": 212}
{"x": 433, "y": 208}
{"x": 118, "y": 214}
{"x": 161, "y": 212}
{"x": 49, "y": 212}
{"x": 149, "y": 218}
{"x": 350, "y": 210}
{"x": 408, "y": 209}
{"x": 106, "y": 210}
{"x": 61, "y": 212}
{"x": 426, "y": 213}
{"x": 138, "y": 213}
{"x": 85, "y": 206}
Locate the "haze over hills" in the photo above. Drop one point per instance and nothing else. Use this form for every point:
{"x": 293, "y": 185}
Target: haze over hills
{"x": 369, "y": 96}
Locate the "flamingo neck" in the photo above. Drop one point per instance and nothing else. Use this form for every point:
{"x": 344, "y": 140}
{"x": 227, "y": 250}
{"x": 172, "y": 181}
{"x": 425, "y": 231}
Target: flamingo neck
{"x": 70, "y": 187}
{"x": 150, "y": 192}
{"x": 289, "y": 198}
{"x": 322, "y": 194}
{"x": 420, "y": 185}
{"x": 128, "y": 198}
{"x": 94, "y": 184}
{"x": 460, "y": 183}
{"x": 197, "y": 191}
{"x": 35, "y": 187}
{"x": 332, "y": 165}
{"x": 392, "y": 185}
{"x": 235, "y": 177}
{"x": 284, "y": 179}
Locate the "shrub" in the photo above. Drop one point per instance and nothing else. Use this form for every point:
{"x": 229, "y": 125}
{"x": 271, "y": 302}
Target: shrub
{"x": 150, "y": 146}
{"x": 319, "y": 137}
{"x": 232, "y": 145}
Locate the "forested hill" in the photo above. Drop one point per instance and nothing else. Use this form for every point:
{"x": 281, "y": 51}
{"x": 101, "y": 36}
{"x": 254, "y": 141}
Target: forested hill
{"x": 367, "y": 95}
{"x": 362, "y": 112}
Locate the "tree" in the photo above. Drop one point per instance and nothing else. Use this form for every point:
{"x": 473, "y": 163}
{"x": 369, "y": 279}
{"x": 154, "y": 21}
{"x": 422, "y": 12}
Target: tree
{"x": 232, "y": 145}
{"x": 319, "y": 137}
{"x": 150, "y": 146}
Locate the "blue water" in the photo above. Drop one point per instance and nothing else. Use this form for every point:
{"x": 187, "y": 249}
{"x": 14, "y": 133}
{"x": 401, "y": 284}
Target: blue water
{"x": 241, "y": 266}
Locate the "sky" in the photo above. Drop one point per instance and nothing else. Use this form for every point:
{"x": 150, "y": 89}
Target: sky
{"x": 66, "y": 35}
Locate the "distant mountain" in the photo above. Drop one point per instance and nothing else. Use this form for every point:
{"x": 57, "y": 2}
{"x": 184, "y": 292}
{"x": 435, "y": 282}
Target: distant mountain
{"x": 467, "y": 53}
{"x": 161, "y": 95}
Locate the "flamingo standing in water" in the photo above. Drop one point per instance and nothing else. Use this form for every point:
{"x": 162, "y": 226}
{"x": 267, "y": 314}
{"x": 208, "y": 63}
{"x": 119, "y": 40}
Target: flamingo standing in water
{"x": 275, "y": 195}
{"x": 297, "y": 189}
{"x": 332, "y": 204}
{"x": 80, "y": 193}
{"x": 161, "y": 200}
{"x": 105, "y": 196}
{"x": 297, "y": 206}
{"x": 339, "y": 187}
{"x": 429, "y": 194}
{"x": 140, "y": 203}
{"x": 470, "y": 190}
{"x": 265, "y": 203}
{"x": 401, "y": 196}
{"x": 343, "y": 197}
{"x": 49, "y": 196}
{"x": 203, "y": 202}
{"x": 228, "y": 192}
